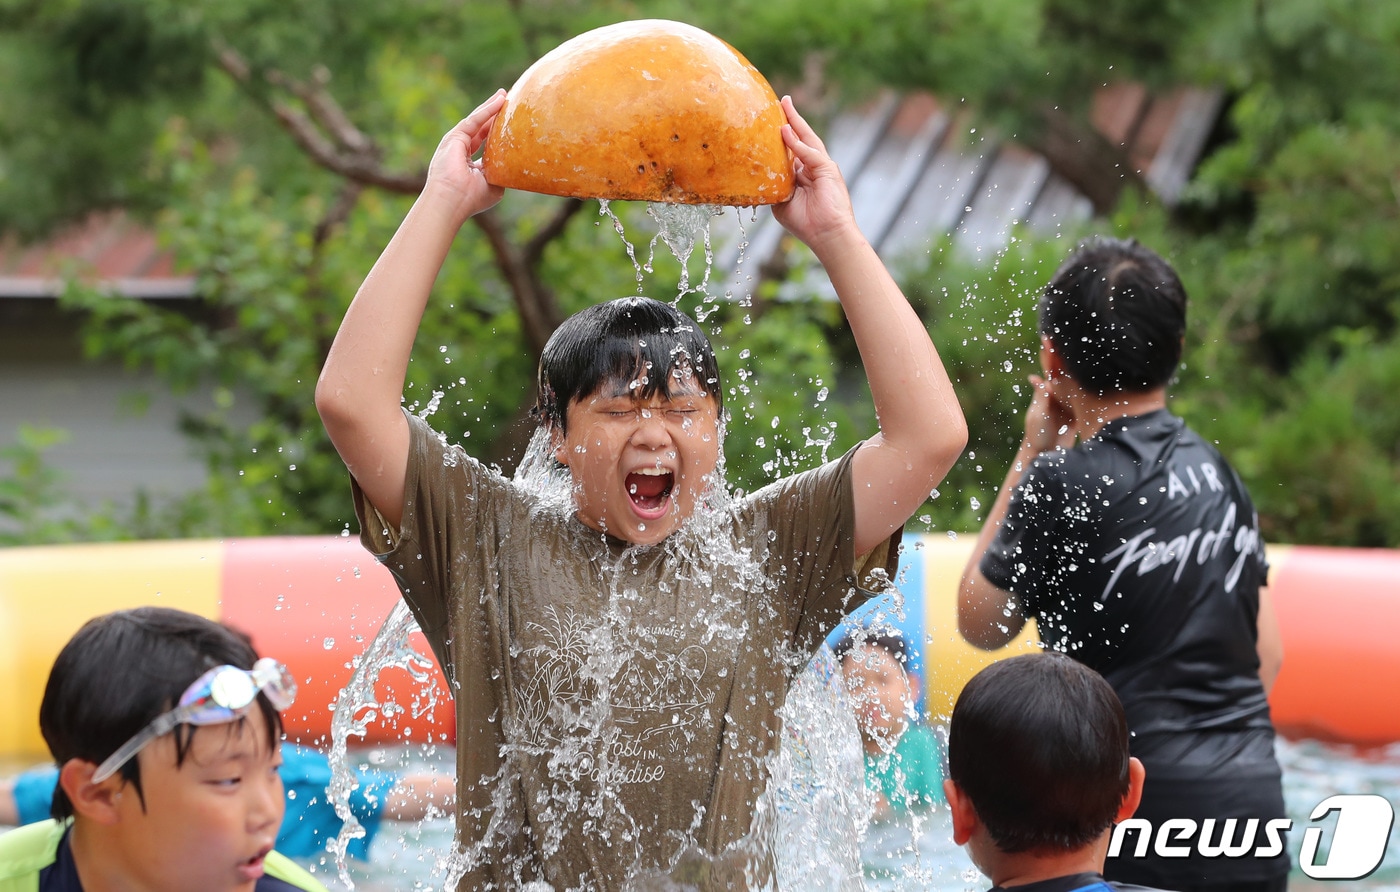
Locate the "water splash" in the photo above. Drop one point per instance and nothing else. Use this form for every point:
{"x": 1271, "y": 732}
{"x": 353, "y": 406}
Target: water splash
{"x": 605, "y": 210}
{"x": 816, "y": 793}
{"x": 818, "y": 785}
{"x": 680, "y": 226}
{"x": 808, "y": 823}
{"x": 356, "y": 707}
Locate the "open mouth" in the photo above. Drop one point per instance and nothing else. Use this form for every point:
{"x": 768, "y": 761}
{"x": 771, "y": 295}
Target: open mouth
{"x": 650, "y": 491}
{"x": 253, "y": 867}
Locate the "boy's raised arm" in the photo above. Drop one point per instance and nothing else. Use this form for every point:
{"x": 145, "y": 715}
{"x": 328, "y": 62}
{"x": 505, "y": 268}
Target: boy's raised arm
{"x": 361, "y": 385}
{"x": 922, "y": 431}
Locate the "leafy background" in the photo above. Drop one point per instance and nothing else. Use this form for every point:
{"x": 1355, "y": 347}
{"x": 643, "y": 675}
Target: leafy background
{"x": 1287, "y": 237}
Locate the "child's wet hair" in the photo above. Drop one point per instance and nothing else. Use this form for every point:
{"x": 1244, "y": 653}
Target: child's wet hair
{"x": 631, "y": 339}
{"x": 888, "y": 639}
{"x": 1039, "y": 745}
{"x": 1116, "y": 313}
{"x": 120, "y": 671}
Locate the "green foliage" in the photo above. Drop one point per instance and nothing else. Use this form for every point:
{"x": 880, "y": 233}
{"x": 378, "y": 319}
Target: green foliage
{"x": 34, "y": 507}
{"x": 1330, "y": 463}
{"x": 1286, "y": 237}
{"x": 29, "y": 490}
{"x": 982, "y": 320}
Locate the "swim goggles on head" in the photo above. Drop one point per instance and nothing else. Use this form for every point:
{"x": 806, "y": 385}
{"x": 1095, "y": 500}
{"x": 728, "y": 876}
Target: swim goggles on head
{"x": 223, "y": 694}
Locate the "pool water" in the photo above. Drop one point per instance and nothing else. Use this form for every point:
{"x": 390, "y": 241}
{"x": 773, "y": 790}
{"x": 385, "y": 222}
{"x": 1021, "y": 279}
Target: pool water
{"x": 916, "y": 852}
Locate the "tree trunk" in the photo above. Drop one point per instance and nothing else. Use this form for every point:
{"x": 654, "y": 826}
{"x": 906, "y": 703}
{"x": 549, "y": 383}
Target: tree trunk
{"x": 1083, "y": 156}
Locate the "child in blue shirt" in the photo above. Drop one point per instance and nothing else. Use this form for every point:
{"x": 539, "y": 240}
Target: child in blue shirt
{"x": 903, "y": 765}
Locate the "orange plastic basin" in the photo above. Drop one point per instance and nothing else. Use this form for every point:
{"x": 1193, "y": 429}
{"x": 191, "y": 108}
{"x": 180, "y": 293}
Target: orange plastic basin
{"x": 650, "y": 110}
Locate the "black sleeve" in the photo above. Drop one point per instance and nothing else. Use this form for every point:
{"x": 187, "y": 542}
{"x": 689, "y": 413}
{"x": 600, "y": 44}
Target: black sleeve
{"x": 1020, "y": 559}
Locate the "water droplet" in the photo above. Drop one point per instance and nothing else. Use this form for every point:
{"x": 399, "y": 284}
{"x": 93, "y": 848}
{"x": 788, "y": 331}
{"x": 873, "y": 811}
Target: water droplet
{"x": 328, "y": 644}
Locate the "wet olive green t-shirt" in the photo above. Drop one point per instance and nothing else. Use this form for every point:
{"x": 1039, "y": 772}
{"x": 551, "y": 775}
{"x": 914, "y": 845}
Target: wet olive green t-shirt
{"x": 616, "y": 704}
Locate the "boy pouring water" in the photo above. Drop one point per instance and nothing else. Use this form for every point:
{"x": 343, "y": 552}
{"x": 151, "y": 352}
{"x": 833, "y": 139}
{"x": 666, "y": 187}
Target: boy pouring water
{"x": 617, "y": 665}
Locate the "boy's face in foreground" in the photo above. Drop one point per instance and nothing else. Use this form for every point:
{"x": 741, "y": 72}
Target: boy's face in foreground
{"x": 208, "y": 823}
{"x": 640, "y": 466}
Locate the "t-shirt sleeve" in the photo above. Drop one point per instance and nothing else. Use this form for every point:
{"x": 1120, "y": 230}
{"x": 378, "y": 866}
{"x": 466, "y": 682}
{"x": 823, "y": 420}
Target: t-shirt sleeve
{"x": 809, "y": 521}
{"x": 454, "y": 512}
{"x": 1019, "y": 556}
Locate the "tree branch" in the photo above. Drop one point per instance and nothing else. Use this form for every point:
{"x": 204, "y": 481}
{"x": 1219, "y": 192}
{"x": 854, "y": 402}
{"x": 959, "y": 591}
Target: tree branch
{"x": 337, "y": 213}
{"x": 325, "y": 110}
{"x": 539, "y": 312}
{"x": 1084, "y": 157}
{"x": 336, "y": 144}
{"x": 325, "y": 133}
{"x": 534, "y": 248}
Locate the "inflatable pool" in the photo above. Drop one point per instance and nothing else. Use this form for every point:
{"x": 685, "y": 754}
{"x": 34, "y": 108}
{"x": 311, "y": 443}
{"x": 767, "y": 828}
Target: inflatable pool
{"x": 315, "y": 603}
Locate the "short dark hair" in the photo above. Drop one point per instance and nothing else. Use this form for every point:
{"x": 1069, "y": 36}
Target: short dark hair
{"x": 1039, "y": 745}
{"x": 888, "y": 640}
{"x": 1115, "y": 312}
{"x": 631, "y": 337}
{"x": 120, "y": 671}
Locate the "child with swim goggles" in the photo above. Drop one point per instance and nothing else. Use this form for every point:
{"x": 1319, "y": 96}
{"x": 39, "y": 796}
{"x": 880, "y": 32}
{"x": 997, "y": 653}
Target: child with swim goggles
{"x": 153, "y": 795}
{"x": 223, "y": 694}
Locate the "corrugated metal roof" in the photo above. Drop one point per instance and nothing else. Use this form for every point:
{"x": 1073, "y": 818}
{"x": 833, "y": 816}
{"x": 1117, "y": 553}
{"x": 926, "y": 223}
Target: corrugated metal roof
{"x": 917, "y": 171}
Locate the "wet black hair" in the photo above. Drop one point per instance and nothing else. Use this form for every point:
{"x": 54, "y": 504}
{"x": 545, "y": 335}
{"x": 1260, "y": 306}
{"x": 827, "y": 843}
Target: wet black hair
{"x": 121, "y": 670}
{"x": 1115, "y": 312}
{"x": 1039, "y": 745}
{"x": 631, "y": 338}
{"x": 888, "y": 640}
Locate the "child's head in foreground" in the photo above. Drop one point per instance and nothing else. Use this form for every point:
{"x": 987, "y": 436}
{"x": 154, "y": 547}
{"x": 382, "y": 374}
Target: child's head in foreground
{"x": 875, "y": 665}
{"x": 630, "y": 393}
{"x": 165, "y": 728}
{"x": 1115, "y": 312}
{"x": 1038, "y": 750}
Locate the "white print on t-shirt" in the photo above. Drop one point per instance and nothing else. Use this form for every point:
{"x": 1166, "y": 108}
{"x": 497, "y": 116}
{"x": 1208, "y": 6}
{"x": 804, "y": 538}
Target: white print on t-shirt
{"x": 654, "y": 697}
{"x": 1175, "y": 486}
{"x": 1205, "y": 543}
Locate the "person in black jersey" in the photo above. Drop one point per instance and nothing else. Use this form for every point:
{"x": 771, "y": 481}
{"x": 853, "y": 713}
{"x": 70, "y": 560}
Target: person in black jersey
{"x": 1136, "y": 548}
{"x": 1038, "y": 773}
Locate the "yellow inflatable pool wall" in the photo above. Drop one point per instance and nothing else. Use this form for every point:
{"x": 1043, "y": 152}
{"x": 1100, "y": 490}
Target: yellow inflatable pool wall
{"x": 316, "y": 602}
